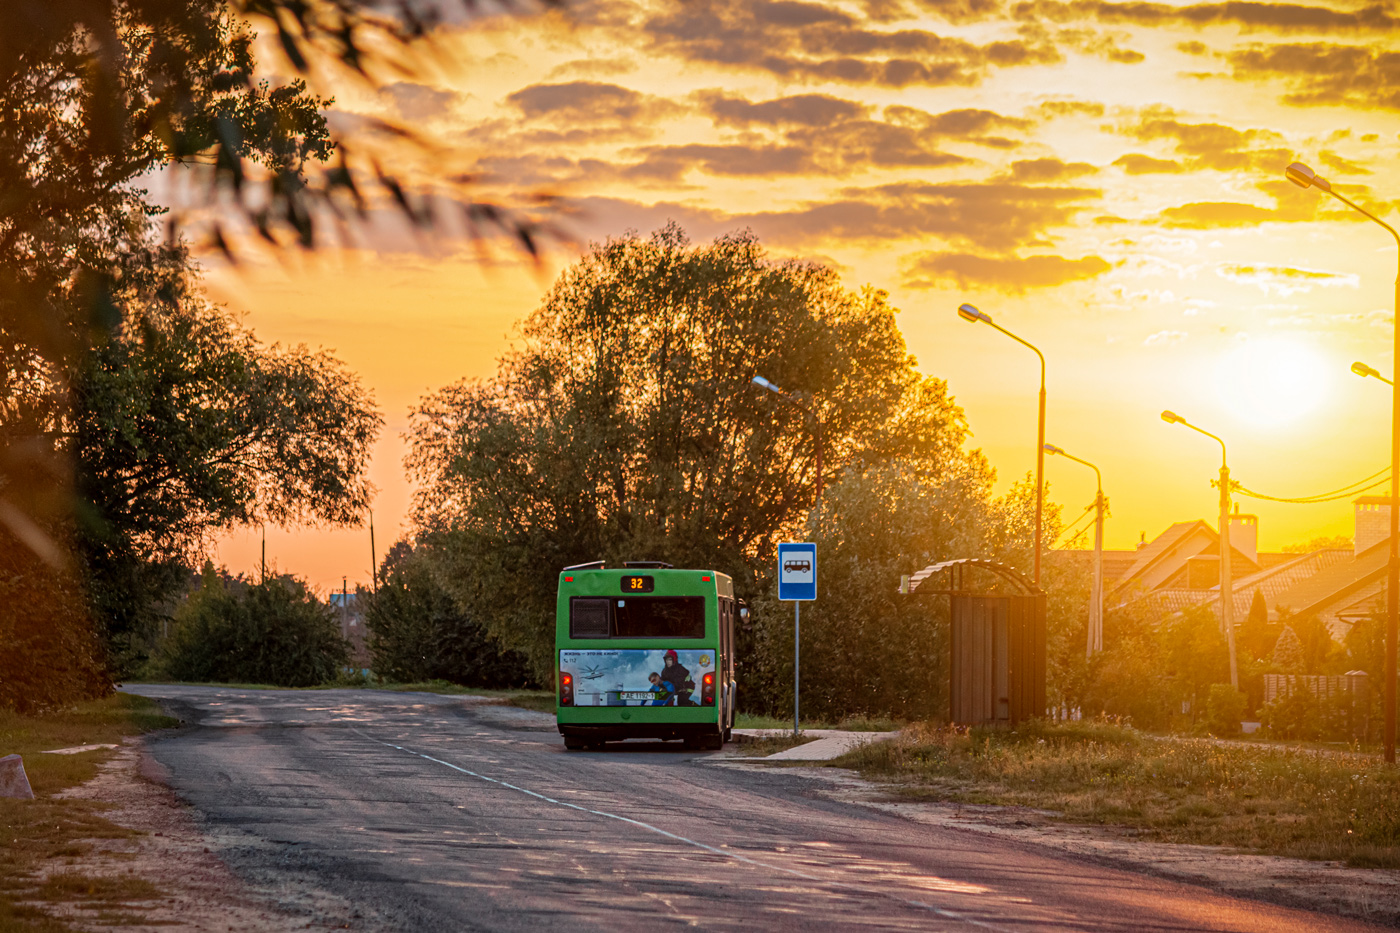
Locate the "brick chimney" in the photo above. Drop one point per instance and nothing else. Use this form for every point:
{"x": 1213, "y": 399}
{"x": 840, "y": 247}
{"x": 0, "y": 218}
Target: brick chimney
{"x": 1372, "y": 522}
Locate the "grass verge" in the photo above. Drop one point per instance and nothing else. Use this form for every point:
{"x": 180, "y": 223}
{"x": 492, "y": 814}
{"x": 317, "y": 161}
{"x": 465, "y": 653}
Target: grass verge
{"x": 35, "y": 834}
{"x": 849, "y": 724}
{"x": 1271, "y": 800}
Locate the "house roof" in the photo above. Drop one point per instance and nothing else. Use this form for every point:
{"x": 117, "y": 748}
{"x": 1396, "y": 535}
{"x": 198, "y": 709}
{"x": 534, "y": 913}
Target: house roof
{"x": 1272, "y": 581}
{"x": 1339, "y": 583}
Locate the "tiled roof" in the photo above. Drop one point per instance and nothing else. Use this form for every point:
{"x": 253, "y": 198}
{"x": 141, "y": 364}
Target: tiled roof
{"x": 1294, "y": 575}
{"x": 1313, "y": 594}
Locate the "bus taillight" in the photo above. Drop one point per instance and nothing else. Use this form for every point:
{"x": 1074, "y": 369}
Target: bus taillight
{"x": 566, "y": 689}
{"x": 707, "y": 690}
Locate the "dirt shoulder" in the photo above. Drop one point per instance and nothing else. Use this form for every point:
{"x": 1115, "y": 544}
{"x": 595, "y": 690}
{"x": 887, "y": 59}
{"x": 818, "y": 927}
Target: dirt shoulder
{"x": 172, "y": 850}
{"x": 1330, "y": 887}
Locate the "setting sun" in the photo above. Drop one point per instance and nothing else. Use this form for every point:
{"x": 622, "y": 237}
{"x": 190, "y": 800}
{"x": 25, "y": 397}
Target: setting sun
{"x": 1272, "y": 381}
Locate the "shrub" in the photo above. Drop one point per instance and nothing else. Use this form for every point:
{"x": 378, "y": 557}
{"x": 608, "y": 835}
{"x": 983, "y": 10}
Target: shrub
{"x": 275, "y": 632}
{"x": 419, "y": 633}
{"x": 1295, "y": 716}
{"x": 1225, "y": 708}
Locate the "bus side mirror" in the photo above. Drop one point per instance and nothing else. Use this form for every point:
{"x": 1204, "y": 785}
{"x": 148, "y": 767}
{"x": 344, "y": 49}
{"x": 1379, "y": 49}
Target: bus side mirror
{"x": 744, "y": 617}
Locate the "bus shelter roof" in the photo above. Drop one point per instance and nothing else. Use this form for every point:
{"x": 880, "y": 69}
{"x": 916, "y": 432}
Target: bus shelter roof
{"x": 956, "y": 570}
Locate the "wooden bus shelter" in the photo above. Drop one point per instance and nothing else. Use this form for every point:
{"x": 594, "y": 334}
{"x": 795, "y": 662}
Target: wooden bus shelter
{"x": 997, "y": 658}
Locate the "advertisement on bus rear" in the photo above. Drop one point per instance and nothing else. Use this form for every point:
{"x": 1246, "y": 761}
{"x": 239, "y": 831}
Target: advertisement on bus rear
{"x": 636, "y": 677}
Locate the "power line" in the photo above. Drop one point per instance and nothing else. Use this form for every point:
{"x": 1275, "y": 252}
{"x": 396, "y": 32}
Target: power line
{"x": 1351, "y": 489}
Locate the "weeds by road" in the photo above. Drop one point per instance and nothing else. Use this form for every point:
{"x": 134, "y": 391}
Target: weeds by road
{"x": 849, "y": 724}
{"x": 35, "y": 832}
{"x": 1270, "y": 800}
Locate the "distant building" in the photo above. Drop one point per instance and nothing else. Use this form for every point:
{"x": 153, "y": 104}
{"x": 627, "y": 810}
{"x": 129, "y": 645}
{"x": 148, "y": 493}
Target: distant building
{"x": 350, "y": 614}
{"x": 1180, "y": 568}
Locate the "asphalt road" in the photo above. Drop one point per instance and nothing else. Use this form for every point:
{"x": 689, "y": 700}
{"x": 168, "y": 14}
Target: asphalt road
{"x": 441, "y": 813}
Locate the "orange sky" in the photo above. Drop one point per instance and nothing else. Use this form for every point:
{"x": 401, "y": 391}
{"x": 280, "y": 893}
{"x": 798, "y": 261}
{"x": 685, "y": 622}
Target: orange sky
{"x": 1105, "y": 180}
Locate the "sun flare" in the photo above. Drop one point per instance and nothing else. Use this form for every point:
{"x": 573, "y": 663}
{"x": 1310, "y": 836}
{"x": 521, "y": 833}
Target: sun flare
{"x": 1272, "y": 381}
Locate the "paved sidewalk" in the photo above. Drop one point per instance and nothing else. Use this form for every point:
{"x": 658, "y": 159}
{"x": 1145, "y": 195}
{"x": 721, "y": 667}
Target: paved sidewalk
{"x": 830, "y": 743}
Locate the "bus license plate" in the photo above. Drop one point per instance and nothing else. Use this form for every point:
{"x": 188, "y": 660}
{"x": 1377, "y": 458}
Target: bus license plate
{"x": 636, "y": 695}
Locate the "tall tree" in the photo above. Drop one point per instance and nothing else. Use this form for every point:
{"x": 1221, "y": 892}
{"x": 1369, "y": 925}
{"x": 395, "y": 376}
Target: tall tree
{"x": 627, "y": 426}
{"x": 184, "y": 424}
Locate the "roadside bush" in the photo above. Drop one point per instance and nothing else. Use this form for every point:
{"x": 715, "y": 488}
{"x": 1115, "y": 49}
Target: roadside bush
{"x": 1295, "y": 716}
{"x": 50, "y": 655}
{"x": 1225, "y": 708}
{"x": 275, "y": 632}
{"x": 419, "y": 633}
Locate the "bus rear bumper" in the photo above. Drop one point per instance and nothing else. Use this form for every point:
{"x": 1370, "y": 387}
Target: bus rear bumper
{"x": 641, "y": 730}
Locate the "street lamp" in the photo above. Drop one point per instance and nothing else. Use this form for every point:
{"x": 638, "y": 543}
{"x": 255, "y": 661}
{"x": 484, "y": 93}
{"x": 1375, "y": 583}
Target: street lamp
{"x": 797, "y": 606}
{"x": 1362, "y": 370}
{"x": 1095, "y": 641}
{"x": 973, "y": 315}
{"x": 1304, "y": 177}
{"x": 1227, "y": 594}
{"x": 809, "y": 412}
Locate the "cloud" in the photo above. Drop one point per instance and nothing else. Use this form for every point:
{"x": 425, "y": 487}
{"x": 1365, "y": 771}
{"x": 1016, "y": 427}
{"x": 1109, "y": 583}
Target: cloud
{"x": 799, "y": 110}
{"x": 825, "y": 153}
{"x": 961, "y": 11}
{"x": 1165, "y": 338}
{"x": 593, "y": 68}
{"x": 1322, "y": 73}
{"x": 1285, "y": 280}
{"x": 800, "y": 41}
{"x": 1068, "y": 108}
{"x": 1206, "y": 215}
{"x": 1043, "y": 170}
{"x": 1011, "y": 274}
{"x": 418, "y": 101}
{"x": 1272, "y": 17}
{"x": 1135, "y": 163}
{"x": 997, "y": 216}
{"x": 1212, "y": 146}
{"x": 588, "y": 102}
{"x": 1340, "y": 165}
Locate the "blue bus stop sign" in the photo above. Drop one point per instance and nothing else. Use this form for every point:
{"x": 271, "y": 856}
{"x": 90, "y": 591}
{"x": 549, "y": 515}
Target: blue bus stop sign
{"x": 797, "y": 572}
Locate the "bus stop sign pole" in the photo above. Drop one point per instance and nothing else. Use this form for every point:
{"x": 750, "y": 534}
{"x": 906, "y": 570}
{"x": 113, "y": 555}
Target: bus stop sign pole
{"x": 797, "y": 583}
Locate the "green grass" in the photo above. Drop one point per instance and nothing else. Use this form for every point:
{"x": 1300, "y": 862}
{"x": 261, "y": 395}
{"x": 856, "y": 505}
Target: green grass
{"x": 1273, "y": 800}
{"x": 541, "y": 701}
{"x": 34, "y": 833}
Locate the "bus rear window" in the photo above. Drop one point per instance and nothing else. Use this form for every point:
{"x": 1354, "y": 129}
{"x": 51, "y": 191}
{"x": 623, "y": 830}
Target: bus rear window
{"x": 659, "y": 617}
{"x": 588, "y": 618}
{"x": 638, "y": 617}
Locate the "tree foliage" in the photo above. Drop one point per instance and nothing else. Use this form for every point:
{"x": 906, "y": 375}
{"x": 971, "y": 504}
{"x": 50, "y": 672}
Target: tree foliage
{"x": 273, "y": 632}
{"x": 183, "y": 423}
{"x": 866, "y": 649}
{"x": 626, "y": 425}
{"x": 418, "y": 633}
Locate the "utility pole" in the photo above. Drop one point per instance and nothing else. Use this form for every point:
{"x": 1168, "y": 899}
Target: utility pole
{"x": 1095, "y": 639}
{"x": 1227, "y": 589}
{"x": 373, "y": 561}
{"x": 1227, "y": 594}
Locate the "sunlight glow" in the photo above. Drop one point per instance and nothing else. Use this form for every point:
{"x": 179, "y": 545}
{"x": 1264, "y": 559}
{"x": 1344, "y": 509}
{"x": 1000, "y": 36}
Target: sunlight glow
{"x": 1272, "y": 381}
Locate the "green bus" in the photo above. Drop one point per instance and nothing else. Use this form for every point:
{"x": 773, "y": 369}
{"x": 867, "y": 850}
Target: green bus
{"x": 645, "y": 651}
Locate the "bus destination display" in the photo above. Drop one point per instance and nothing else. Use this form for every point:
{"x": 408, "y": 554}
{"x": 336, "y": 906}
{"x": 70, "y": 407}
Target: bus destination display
{"x": 638, "y": 584}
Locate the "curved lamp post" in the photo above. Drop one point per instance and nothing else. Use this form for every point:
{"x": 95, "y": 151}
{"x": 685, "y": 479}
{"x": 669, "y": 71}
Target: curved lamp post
{"x": 1304, "y": 177}
{"x": 810, "y": 412}
{"x": 1362, "y": 370}
{"x": 1095, "y": 641}
{"x": 1227, "y": 590}
{"x": 971, "y": 314}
